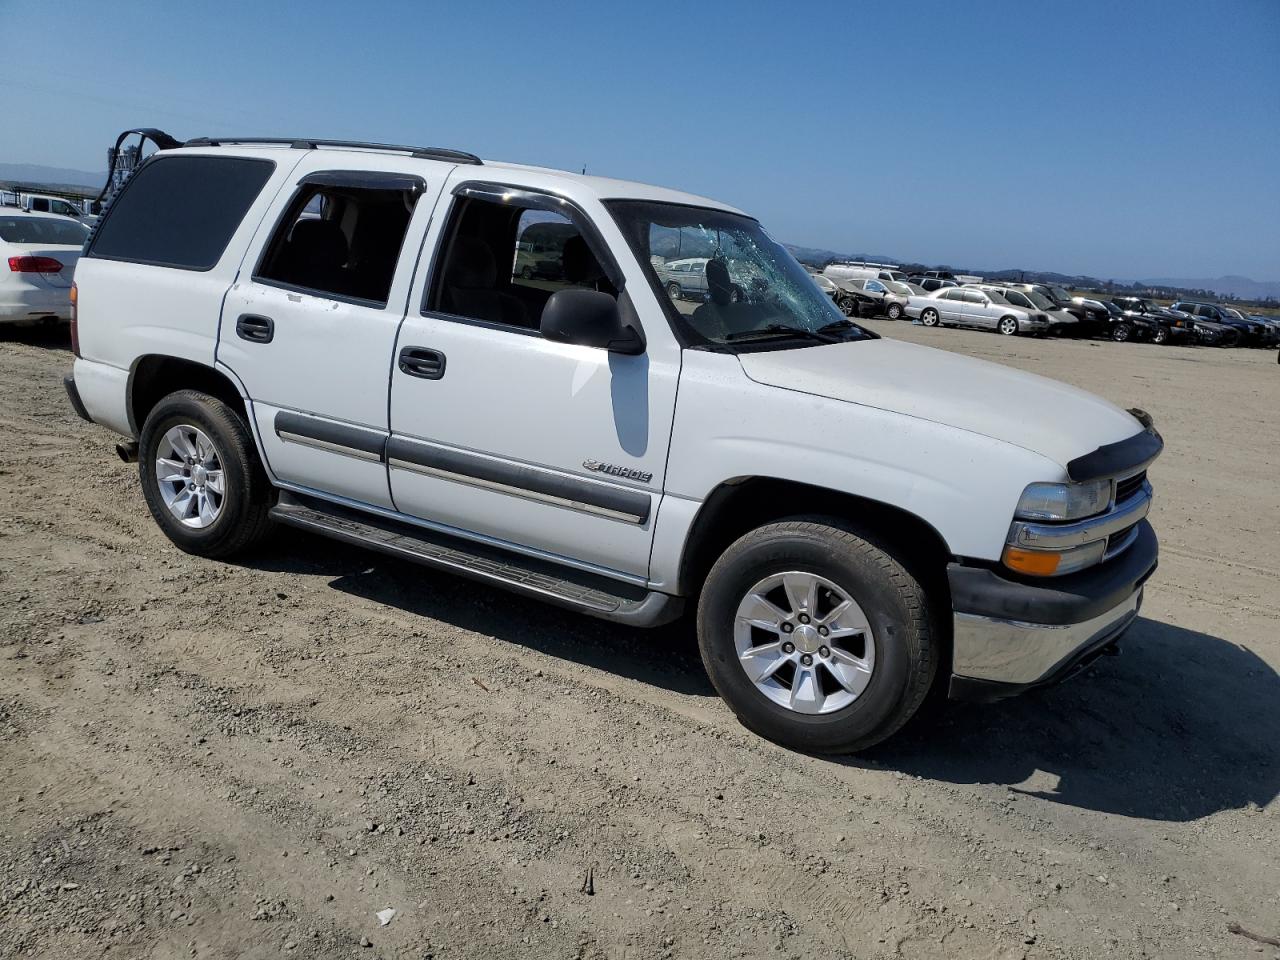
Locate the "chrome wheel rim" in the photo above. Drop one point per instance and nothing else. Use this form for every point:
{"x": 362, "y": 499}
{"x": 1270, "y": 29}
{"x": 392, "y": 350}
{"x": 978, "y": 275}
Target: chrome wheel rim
{"x": 189, "y": 475}
{"x": 804, "y": 642}
{"x": 895, "y": 311}
{"x": 1008, "y": 327}
{"x": 929, "y": 318}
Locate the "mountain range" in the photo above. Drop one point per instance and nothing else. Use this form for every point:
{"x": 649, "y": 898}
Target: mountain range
{"x": 1242, "y": 288}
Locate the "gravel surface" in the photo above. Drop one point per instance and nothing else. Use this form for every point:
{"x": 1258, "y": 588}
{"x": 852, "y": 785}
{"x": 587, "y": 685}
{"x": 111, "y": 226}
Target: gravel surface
{"x": 258, "y": 759}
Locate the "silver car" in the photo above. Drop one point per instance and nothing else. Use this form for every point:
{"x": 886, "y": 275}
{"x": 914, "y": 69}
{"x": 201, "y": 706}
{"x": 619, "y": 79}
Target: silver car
{"x": 970, "y": 307}
{"x": 1061, "y": 323}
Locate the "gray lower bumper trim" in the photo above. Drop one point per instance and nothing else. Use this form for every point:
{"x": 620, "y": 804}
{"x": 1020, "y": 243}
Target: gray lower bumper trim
{"x": 1016, "y": 652}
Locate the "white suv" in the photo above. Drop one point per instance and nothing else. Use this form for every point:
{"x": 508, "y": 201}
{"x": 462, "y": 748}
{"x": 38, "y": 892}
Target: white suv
{"x": 335, "y": 338}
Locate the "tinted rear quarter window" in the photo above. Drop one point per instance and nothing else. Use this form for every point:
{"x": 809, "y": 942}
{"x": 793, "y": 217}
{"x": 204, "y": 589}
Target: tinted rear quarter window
{"x": 180, "y": 211}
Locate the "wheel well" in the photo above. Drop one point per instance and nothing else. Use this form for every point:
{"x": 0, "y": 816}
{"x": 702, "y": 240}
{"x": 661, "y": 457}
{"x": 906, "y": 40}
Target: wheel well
{"x": 741, "y": 505}
{"x": 154, "y": 377}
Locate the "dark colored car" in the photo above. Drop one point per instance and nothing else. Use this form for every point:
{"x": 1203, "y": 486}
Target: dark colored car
{"x": 1125, "y": 327}
{"x": 1249, "y": 333}
{"x": 931, "y": 283}
{"x": 1171, "y": 326}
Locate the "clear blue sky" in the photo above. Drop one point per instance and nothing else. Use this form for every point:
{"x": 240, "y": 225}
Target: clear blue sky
{"x": 1121, "y": 139}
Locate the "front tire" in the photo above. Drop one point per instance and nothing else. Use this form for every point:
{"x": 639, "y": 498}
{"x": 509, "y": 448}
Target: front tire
{"x": 201, "y": 476}
{"x": 1161, "y": 335}
{"x": 929, "y": 317}
{"x": 1008, "y": 326}
{"x": 817, "y": 638}
{"x": 1121, "y": 332}
{"x": 894, "y": 312}
{"x": 848, "y": 306}
{"x": 673, "y": 290}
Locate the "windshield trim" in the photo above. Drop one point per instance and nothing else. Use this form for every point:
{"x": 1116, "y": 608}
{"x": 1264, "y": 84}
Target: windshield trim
{"x": 684, "y": 333}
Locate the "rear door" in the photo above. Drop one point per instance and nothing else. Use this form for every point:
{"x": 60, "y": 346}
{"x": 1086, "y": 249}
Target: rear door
{"x": 310, "y": 325}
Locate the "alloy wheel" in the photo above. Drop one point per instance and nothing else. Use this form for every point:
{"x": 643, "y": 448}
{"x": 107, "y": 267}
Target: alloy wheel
{"x": 804, "y": 642}
{"x": 189, "y": 475}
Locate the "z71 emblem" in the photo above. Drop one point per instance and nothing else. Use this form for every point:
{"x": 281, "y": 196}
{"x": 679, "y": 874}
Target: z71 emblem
{"x": 616, "y": 471}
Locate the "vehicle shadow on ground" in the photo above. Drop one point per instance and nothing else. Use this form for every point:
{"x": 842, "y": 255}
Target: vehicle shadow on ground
{"x": 1180, "y": 726}
{"x": 666, "y": 657}
{"x": 51, "y": 336}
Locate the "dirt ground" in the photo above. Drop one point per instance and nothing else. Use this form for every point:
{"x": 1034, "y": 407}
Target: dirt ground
{"x": 251, "y": 760}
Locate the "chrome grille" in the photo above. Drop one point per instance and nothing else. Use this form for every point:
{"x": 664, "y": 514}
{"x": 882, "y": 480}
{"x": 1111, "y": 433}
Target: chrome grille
{"x": 1127, "y": 487}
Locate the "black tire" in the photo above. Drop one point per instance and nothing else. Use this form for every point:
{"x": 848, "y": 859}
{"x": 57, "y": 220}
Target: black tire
{"x": 1161, "y": 335}
{"x": 1008, "y": 326}
{"x": 526, "y": 273}
{"x": 892, "y": 599}
{"x": 929, "y": 317}
{"x": 848, "y": 306}
{"x": 1121, "y": 332}
{"x": 894, "y": 311}
{"x": 673, "y": 290}
{"x": 247, "y": 493}
{"x": 1231, "y": 338}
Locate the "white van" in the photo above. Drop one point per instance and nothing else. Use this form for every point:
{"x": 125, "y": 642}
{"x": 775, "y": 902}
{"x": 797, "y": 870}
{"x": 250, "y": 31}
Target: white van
{"x": 858, "y": 270}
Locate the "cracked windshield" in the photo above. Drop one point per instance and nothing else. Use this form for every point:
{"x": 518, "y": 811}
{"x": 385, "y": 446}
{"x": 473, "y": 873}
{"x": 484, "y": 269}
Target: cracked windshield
{"x": 728, "y": 280}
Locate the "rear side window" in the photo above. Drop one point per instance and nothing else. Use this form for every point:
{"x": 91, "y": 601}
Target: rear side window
{"x": 180, "y": 211}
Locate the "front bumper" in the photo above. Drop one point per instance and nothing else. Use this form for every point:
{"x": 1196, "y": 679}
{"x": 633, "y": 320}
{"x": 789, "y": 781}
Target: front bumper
{"x": 1011, "y": 636}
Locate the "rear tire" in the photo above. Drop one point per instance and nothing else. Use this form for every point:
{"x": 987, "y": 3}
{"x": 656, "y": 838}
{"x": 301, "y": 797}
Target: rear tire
{"x": 232, "y": 514}
{"x": 929, "y": 317}
{"x": 864, "y": 677}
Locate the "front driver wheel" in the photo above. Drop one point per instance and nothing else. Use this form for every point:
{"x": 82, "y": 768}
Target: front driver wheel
{"x": 816, "y": 637}
{"x": 201, "y": 477}
{"x": 929, "y": 317}
{"x": 1008, "y": 326}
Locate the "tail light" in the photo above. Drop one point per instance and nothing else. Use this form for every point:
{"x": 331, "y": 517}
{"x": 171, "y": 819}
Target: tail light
{"x": 75, "y": 326}
{"x": 35, "y": 265}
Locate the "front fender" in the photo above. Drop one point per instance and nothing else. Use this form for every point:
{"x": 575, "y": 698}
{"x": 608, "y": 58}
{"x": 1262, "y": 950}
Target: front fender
{"x": 963, "y": 484}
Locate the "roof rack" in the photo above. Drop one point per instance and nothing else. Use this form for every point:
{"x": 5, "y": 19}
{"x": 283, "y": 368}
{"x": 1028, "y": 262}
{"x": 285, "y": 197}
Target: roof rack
{"x": 420, "y": 153}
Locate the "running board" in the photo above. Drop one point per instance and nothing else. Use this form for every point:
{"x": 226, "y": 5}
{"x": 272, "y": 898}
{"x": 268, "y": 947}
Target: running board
{"x": 594, "y": 595}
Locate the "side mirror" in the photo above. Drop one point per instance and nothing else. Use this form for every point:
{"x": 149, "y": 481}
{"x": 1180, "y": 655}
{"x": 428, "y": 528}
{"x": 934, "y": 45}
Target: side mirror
{"x": 591, "y": 319}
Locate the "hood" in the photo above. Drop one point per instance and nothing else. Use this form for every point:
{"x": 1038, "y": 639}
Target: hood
{"x": 1042, "y": 415}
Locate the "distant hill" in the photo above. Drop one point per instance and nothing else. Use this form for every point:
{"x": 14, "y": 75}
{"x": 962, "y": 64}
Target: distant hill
{"x": 35, "y": 173}
{"x": 1241, "y": 288}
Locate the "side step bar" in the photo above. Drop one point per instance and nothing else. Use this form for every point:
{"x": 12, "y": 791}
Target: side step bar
{"x": 586, "y": 593}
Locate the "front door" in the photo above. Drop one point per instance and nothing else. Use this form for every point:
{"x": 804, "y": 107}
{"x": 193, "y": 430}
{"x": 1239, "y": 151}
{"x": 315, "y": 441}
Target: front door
{"x": 552, "y": 448}
{"x": 309, "y": 326}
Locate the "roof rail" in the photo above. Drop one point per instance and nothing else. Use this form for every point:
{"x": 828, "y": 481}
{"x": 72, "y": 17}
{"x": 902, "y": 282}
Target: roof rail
{"x": 421, "y": 153}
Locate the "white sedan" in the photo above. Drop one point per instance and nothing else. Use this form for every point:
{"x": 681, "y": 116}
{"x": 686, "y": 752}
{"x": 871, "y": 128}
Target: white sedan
{"x": 970, "y": 307}
{"x": 38, "y": 255}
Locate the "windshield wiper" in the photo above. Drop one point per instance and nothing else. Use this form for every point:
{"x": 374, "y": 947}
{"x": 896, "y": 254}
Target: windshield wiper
{"x": 778, "y": 331}
{"x": 840, "y": 325}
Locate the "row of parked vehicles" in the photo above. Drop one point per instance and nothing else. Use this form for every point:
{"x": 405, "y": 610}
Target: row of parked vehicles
{"x": 939, "y": 298}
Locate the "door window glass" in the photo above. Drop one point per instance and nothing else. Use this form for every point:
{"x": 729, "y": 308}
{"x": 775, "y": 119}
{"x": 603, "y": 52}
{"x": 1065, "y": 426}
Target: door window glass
{"x": 339, "y": 241}
{"x": 503, "y": 261}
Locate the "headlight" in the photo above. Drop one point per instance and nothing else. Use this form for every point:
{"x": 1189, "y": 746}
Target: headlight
{"x": 1064, "y": 501}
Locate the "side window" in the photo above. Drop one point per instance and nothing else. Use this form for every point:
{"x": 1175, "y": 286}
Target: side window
{"x": 180, "y": 211}
{"x": 501, "y": 262}
{"x": 875, "y": 286}
{"x": 973, "y": 296}
{"x": 339, "y": 241}
{"x": 39, "y": 204}
{"x": 64, "y": 208}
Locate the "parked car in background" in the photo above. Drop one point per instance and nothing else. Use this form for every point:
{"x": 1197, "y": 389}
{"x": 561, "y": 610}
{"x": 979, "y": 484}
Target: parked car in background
{"x": 930, "y": 284}
{"x": 1124, "y": 328}
{"x": 985, "y": 310}
{"x": 38, "y": 256}
{"x": 825, "y": 284}
{"x": 1171, "y": 326}
{"x": 685, "y": 279}
{"x": 1061, "y": 323}
{"x": 861, "y": 270}
{"x": 853, "y": 301}
{"x": 1248, "y": 333}
{"x": 1264, "y": 331}
{"x": 1093, "y": 317}
{"x": 885, "y": 299}
{"x": 1272, "y": 322}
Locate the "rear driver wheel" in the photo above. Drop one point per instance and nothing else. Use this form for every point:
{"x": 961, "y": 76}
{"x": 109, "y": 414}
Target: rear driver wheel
{"x": 201, "y": 477}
